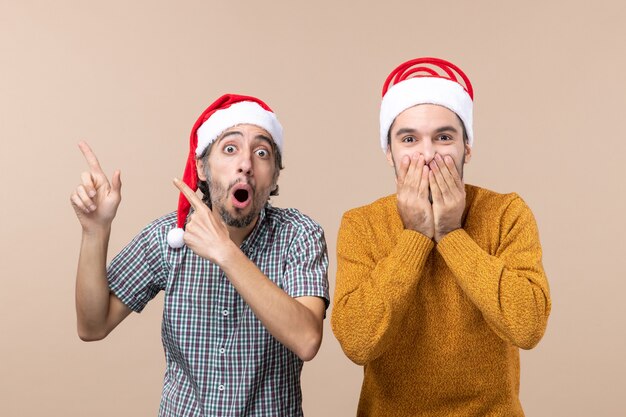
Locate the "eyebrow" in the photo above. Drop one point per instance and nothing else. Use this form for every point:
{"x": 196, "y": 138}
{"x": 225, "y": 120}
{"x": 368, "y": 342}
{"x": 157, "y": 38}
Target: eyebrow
{"x": 227, "y": 134}
{"x": 264, "y": 138}
{"x": 236, "y": 132}
{"x": 446, "y": 129}
{"x": 405, "y": 130}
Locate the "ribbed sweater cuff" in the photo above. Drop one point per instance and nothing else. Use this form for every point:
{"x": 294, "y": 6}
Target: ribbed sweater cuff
{"x": 465, "y": 258}
{"x": 412, "y": 249}
{"x": 458, "y": 244}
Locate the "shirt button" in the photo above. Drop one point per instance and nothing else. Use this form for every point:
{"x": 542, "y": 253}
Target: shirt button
{"x": 221, "y": 387}
{"x": 225, "y": 312}
{"x": 222, "y": 350}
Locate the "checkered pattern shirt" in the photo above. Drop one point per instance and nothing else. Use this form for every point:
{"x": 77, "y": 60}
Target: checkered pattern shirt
{"x": 221, "y": 361}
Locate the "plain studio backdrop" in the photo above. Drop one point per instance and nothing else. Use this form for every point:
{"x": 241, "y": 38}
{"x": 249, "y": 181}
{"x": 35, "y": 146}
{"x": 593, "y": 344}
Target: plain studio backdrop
{"x": 132, "y": 76}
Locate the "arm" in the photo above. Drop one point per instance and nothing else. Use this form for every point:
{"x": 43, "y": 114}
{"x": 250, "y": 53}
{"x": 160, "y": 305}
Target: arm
{"x": 295, "y": 322}
{"x": 95, "y": 202}
{"x": 510, "y": 288}
{"x": 372, "y": 296}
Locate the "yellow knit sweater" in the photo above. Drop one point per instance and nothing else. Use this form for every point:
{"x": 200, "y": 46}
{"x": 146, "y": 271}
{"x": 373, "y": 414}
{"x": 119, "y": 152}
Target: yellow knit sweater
{"x": 438, "y": 327}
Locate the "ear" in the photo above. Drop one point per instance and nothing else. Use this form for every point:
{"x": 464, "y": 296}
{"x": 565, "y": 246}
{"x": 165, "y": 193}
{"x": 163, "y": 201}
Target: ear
{"x": 273, "y": 187}
{"x": 468, "y": 153}
{"x": 389, "y": 156}
{"x": 200, "y": 170}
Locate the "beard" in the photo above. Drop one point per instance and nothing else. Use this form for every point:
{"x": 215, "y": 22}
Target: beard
{"x": 219, "y": 196}
{"x": 239, "y": 222}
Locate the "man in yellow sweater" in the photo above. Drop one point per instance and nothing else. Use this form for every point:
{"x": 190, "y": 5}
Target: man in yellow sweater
{"x": 440, "y": 284}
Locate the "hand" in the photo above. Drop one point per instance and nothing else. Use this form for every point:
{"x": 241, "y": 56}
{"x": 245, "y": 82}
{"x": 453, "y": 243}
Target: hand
{"x": 448, "y": 191}
{"x": 205, "y": 234}
{"x": 95, "y": 201}
{"x": 414, "y": 207}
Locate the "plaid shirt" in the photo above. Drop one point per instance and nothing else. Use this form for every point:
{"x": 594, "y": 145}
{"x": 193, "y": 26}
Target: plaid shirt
{"x": 221, "y": 361}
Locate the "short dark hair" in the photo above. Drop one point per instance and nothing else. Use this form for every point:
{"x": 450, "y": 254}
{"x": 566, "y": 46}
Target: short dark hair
{"x": 204, "y": 186}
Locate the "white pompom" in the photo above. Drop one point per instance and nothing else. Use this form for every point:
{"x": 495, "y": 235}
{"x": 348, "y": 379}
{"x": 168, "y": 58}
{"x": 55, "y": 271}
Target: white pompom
{"x": 175, "y": 238}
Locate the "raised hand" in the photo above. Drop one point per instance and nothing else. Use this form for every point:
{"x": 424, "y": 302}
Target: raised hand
{"x": 205, "y": 233}
{"x": 414, "y": 207}
{"x": 96, "y": 200}
{"x": 448, "y": 192}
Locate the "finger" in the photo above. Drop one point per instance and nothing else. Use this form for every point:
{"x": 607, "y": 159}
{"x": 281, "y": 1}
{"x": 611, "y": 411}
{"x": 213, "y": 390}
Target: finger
{"x": 422, "y": 191}
{"x": 446, "y": 174}
{"x": 438, "y": 176}
{"x": 419, "y": 168}
{"x": 78, "y": 203}
{"x": 402, "y": 169}
{"x": 90, "y": 157}
{"x": 456, "y": 175}
{"x": 410, "y": 174}
{"x": 87, "y": 181}
{"x": 191, "y": 196}
{"x": 435, "y": 191}
{"x": 86, "y": 200}
{"x": 116, "y": 182}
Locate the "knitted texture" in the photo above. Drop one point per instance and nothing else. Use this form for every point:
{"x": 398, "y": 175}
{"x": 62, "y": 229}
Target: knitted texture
{"x": 438, "y": 327}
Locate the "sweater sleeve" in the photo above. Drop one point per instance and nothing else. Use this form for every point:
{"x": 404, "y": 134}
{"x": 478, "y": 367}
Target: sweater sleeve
{"x": 372, "y": 297}
{"x": 510, "y": 288}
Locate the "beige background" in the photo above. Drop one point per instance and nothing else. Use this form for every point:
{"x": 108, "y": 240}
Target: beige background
{"x": 131, "y": 78}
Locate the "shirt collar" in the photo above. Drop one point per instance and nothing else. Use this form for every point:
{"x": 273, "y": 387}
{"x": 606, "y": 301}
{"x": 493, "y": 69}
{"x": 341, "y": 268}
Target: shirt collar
{"x": 257, "y": 238}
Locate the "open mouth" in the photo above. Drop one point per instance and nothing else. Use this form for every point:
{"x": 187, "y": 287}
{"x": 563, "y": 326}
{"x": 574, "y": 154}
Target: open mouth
{"x": 241, "y": 195}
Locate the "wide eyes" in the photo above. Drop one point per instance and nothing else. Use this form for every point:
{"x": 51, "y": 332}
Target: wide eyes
{"x": 261, "y": 152}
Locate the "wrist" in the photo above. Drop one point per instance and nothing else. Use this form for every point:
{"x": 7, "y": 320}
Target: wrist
{"x": 442, "y": 234}
{"x": 97, "y": 231}
{"x": 227, "y": 255}
{"x": 428, "y": 233}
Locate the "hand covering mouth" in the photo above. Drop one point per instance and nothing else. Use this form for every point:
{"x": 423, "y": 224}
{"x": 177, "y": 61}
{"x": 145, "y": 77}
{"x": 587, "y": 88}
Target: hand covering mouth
{"x": 241, "y": 195}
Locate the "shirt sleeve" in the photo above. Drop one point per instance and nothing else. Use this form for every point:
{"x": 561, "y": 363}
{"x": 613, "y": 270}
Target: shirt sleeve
{"x": 306, "y": 270}
{"x": 509, "y": 286}
{"x": 138, "y": 272}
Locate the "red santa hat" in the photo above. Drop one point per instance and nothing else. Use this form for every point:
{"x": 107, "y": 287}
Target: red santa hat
{"x": 227, "y": 111}
{"x": 426, "y": 81}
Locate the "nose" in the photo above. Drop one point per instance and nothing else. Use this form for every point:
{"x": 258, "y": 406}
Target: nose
{"x": 245, "y": 163}
{"x": 428, "y": 150}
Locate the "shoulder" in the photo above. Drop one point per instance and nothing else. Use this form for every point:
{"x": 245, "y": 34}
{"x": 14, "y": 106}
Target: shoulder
{"x": 492, "y": 203}
{"x": 381, "y": 209}
{"x": 160, "y": 226}
{"x": 150, "y": 244}
{"x": 290, "y": 221}
{"x": 155, "y": 233}
{"x": 375, "y": 222}
{"x": 380, "y": 216}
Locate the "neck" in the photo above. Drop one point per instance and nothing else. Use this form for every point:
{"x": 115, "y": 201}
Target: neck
{"x": 239, "y": 234}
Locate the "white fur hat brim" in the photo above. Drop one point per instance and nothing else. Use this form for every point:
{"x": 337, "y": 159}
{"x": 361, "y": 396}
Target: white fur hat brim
{"x": 425, "y": 90}
{"x": 244, "y": 112}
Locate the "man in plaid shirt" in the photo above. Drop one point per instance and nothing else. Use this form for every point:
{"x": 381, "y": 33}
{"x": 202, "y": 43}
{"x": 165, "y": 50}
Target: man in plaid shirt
{"x": 245, "y": 283}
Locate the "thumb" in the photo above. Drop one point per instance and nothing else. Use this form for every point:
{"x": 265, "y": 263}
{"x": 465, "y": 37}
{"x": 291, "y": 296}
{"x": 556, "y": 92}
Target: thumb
{"x": 116, "y": 182}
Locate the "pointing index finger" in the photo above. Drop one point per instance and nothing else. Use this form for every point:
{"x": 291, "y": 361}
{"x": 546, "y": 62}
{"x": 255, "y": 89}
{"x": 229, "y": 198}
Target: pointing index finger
{"x": 191, "y": 196}
{"x": 92, "y": 161}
